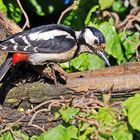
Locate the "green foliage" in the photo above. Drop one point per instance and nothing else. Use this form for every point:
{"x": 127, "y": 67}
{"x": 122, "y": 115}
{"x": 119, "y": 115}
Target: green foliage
{"x": 76, "y": 18}
{"x": 2, "y": 6}
{"x": 13, "y": 10}
{"x": 44, "y": 7}
{"x": 118, "y": 44}
{"x": 118, "y": 6}
{"x": 6, "y": 136}
{"x": 14, "y": 135}
{"x": 112, "y": 40}
{"x": 129, "y": 40}
{"x": 41, "y": 8}
{"x": 103, "y": 123}
{"x": 105, "y": 3}
{"x": 59, "y": 133}
{"x": 85, "y": 62}
{"x": 132, "y": 110}
{"x": 68, "y": 113}
{"x": 37, "y": 7}
{"x": 121, "y": 132}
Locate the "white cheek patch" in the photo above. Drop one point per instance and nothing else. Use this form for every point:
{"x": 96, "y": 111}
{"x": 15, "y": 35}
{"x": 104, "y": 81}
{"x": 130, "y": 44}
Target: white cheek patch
{"x": 47, "y": 35}
{"x": 89, "y": 37}
{"x": 33, "y": 36}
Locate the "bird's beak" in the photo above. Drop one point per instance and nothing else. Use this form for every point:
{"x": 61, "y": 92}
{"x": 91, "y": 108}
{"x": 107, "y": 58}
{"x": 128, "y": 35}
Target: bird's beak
{"x": 100, "y": 52}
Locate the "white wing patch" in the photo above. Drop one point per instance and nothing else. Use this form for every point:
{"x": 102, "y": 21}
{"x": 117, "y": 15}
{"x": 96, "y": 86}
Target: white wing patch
{"x": 25, "y": 40}
{"x": 27, "y": 43}
{"x": 47, "y": 35}
{"x": 12, "y": 41}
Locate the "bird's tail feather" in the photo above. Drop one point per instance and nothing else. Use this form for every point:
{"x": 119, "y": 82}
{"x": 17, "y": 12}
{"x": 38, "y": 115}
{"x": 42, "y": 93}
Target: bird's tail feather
{"x": 5, "y": 67}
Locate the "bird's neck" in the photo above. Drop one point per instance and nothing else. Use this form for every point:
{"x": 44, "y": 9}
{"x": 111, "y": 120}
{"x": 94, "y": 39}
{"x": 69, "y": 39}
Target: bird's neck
{"x": 81, "y": 47}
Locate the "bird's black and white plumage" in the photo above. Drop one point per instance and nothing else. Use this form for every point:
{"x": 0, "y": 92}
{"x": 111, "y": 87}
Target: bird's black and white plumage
{"x": 54, "y": 43}
{"x": 42, "y": 39}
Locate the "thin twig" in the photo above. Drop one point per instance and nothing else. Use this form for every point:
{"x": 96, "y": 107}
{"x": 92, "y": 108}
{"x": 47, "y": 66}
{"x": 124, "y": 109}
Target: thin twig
{"x": 26, "y": 24}
{"x": 89, "y": 121}
{"x": 38, "y": 106}
{"x": 72, "y": 7}
{"x": 130, "y": 22}
{"x": 33, "y": 117}
{"x": 12, "y": 124}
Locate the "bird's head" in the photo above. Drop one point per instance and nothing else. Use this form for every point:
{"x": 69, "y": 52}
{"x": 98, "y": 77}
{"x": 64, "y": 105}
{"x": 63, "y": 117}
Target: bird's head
{"x": 95, "y": 41}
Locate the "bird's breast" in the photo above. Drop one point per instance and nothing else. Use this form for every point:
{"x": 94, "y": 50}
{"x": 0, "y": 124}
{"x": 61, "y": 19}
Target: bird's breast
{"x": 43, "y": 58}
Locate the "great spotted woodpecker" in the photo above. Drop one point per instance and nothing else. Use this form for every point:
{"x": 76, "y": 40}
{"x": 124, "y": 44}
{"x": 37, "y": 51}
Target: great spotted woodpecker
{"x": 51, "y": 43}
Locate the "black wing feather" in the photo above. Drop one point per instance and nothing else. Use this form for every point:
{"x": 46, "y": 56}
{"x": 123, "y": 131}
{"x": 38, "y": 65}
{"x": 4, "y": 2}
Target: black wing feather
{"x": 5, "y": 66}
{"x": 58, "y": 44}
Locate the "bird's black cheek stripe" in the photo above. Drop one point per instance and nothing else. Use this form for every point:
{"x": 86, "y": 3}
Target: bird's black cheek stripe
{"x": 91, "y": 47}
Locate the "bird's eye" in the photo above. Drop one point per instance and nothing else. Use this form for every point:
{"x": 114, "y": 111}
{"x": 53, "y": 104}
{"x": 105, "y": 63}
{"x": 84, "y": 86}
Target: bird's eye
{"x": 96, "y": 42}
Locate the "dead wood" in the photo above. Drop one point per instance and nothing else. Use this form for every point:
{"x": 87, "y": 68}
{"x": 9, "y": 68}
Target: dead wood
{"x": 125, "y": 80}
{"x": 44, "y": 120}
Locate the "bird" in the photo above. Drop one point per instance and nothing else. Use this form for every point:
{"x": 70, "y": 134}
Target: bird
{"x": 51, "y": 43}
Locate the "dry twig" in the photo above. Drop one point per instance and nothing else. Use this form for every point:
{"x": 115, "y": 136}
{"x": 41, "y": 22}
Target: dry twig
{"x": 26, "y": 24}
{"x": 74, "y": 6}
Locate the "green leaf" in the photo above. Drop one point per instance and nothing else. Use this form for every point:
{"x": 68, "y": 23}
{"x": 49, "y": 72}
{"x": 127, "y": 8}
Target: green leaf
{"x": 92, "y": 10}
{"x": 14, "y": 11}
{"x": 132, "y": 107}
{"x": 65, "y": 65}
{"x": 34, "y": 137}
{"x": 112, "y": 40}
{"x": 68, "y": 113}
{"x": 86, "y": 62}
{"x": 118, "y": 6}
{"x": 105, "y": 116}
{"x": 84, "y": 126}
{"x": 72, "y": 132}
{"x": 2, "y": 7}
{"x": 76, "y": 18}
{"x": 6, "y": 136}
{"x": 60, "y": 133}
{"x": 129, "y": 41}
{"x": 105, "y": 3}
{"x": 121, "y": 132}
{"x": 95, "y": 62}
{"x": 19, "y": 135}
{"x": 86, "y": 133}
{"x": 80, "y": 63}
{"x": 37, "y": 7}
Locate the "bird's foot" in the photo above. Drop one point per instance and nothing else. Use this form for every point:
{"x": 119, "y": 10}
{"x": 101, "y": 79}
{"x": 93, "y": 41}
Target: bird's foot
{"x": 53, "y": 72}
{"x": 56, "y": 73}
